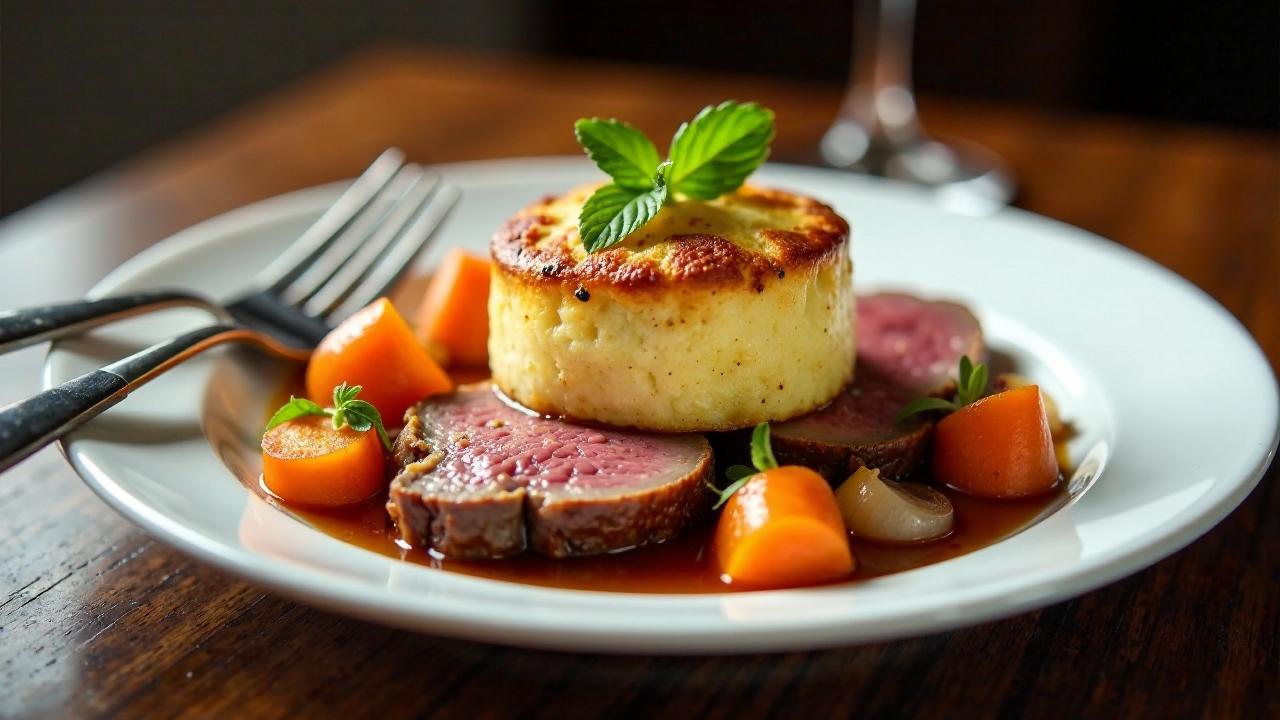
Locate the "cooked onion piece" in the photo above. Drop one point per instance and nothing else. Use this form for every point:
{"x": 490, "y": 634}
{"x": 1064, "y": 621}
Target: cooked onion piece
{"x": 888, "y": 511}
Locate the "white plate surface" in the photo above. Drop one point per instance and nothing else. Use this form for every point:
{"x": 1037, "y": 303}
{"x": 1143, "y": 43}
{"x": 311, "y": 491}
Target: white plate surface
{"x": 1164, "y": 383}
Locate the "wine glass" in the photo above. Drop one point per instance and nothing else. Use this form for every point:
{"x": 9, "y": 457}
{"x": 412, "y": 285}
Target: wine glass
{"x": 878, "y": 131}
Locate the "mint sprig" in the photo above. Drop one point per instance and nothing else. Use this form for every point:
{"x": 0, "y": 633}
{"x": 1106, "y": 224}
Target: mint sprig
{"x": 710, "y": 155}
{"x": 715, "y": 152}
{"x": 761, "y": 457}
{"x": 296, "y": 407}
{"x": 359, "y": 415}
{"x": 762, "y": 448}
{"x": 614, "y": 212}
{"x": 623, "y": 152}
{"x": 971, "y": 387}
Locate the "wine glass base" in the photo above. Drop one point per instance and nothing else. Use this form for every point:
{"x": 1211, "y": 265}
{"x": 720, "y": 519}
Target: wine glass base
{"x": 964, "y": 177}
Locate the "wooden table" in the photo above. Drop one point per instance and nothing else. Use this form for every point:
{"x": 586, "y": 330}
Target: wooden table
{"x": 100, "y": 619}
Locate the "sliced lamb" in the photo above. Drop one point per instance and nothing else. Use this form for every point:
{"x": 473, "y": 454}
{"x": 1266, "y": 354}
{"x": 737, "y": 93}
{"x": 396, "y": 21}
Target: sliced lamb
{"x": 916, "y": 342}
{"x": 479, "y": 478}
{"x": 907, "y": 347}
{"x": 856, "y": 429}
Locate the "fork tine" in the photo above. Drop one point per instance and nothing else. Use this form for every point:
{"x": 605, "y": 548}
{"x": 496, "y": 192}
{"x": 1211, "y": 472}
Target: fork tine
{"x": 432, "y": 213}
{"x": 364, "y": 258}
{"x": 290, "y": 263}
{"x": 355, "y": 238}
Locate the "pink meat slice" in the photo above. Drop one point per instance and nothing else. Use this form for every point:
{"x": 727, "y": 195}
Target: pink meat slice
{"x": 915, "y": 342}
{"x": 907, "y": 347}
{"x": 480, "y": 478}
{"x": 864, "y": 411}
{"x": 856, "y": 429}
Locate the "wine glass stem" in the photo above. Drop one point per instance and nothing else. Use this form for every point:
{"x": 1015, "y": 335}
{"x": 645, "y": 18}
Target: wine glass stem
{"x": 880, "y": 97}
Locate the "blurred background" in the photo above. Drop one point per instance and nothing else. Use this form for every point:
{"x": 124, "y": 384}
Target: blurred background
{"x": 86, "y": 84}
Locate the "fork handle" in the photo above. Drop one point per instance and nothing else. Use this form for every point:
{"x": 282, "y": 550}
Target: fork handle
{"x": 29, "y": 425}
{"x": 28, "y": 326}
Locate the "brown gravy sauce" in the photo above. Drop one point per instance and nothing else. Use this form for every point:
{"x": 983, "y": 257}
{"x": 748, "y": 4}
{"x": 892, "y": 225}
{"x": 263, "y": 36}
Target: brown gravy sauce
{"x": 683, "y": 565}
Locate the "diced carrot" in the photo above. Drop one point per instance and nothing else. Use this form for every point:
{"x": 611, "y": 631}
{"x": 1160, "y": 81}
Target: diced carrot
{"x": 455, "y": 309}
{"x": 999, "y": 446}
{"x": 376, "y": 349}
{"x": 306, "y": 461}
{"x": 1009, "y": 381}
{"x": 783, "y": 528}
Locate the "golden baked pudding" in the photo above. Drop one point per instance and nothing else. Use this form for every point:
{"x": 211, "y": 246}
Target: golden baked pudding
{"x": 712, "y": 316}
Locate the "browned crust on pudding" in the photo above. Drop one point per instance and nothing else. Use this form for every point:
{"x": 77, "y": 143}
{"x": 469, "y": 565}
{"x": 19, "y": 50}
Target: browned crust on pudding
{"x": 540, "y": 245}
{"x": 500, "y": 518}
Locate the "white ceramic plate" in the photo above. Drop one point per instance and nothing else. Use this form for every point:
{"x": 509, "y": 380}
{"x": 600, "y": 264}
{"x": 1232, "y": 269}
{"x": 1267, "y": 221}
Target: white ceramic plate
{"x": 1169, "y": 390}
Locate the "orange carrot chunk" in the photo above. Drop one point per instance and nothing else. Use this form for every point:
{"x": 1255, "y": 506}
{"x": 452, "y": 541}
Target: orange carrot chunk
{"x": 306, "y": 461}
{"x": 455, "y": 310}
{"x": 782, "y": 528}
{"x": 376, "y": 349}
{"x": 997, "y": 447}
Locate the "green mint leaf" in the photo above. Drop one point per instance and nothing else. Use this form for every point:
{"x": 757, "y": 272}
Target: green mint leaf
{"x": 970, "y": 386}
{"x": 761, "y": 449}
{"x": 621, "y": 151}
{"x": 357, "y": 421}
{"x": 977, "y": 384}
{"x": 728, "y": 492}
{"x": 296, "y": 407}
{"x": 347, "y": 410}
{"x": 924, "y": 404}
{"x": 738, "y": 476}
{"x": 344, "y": 394}
{"x": 971, "y": 383}
{"x": 715, "y": 152}
{"x": 614, "y": 212}
{"x": 362, "y": 416}
{"x": 966, "y": 371}
{"x": 761, "y": 457}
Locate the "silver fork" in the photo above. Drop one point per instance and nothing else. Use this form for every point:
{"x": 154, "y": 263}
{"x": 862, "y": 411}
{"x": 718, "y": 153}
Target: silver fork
{"x": 347, "y": 259}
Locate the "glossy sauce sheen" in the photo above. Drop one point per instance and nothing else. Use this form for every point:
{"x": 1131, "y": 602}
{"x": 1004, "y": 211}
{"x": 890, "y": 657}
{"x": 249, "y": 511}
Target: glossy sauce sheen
{"x": 684, "y": 565}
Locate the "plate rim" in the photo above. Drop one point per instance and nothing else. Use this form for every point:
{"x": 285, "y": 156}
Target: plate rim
{"x": 1078, "y": 578}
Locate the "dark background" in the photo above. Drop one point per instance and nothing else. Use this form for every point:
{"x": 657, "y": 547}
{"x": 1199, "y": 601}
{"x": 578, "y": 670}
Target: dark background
{"x": 86, "y": 84}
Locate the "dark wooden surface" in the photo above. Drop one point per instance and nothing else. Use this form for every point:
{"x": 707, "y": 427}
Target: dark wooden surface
{"x": 99, "y": 619}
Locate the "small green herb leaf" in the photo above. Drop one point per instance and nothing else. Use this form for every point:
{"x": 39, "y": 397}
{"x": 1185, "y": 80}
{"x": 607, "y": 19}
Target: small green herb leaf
{"x": 761, "y": 457}
{"x": 972, "y": 382}
{"x": 362, "y": 417}
{"x": 346, "y": 410}
{"x": 709, "y": 156}
{"x": 342, "y": 395}
{"x": 613, "y": 212}
{"x": 974, "y": 389}
{"x": 729, "y": 490}
{"x": 970, "y": 386}
{"x": 762, "y": 449}
{"x": 296, "y": 407}
{"x": 924, "y": 404}
{"x": 345, "y": 393}
{"x": 715, "y": 152}
{"x": 621, "y": 151}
